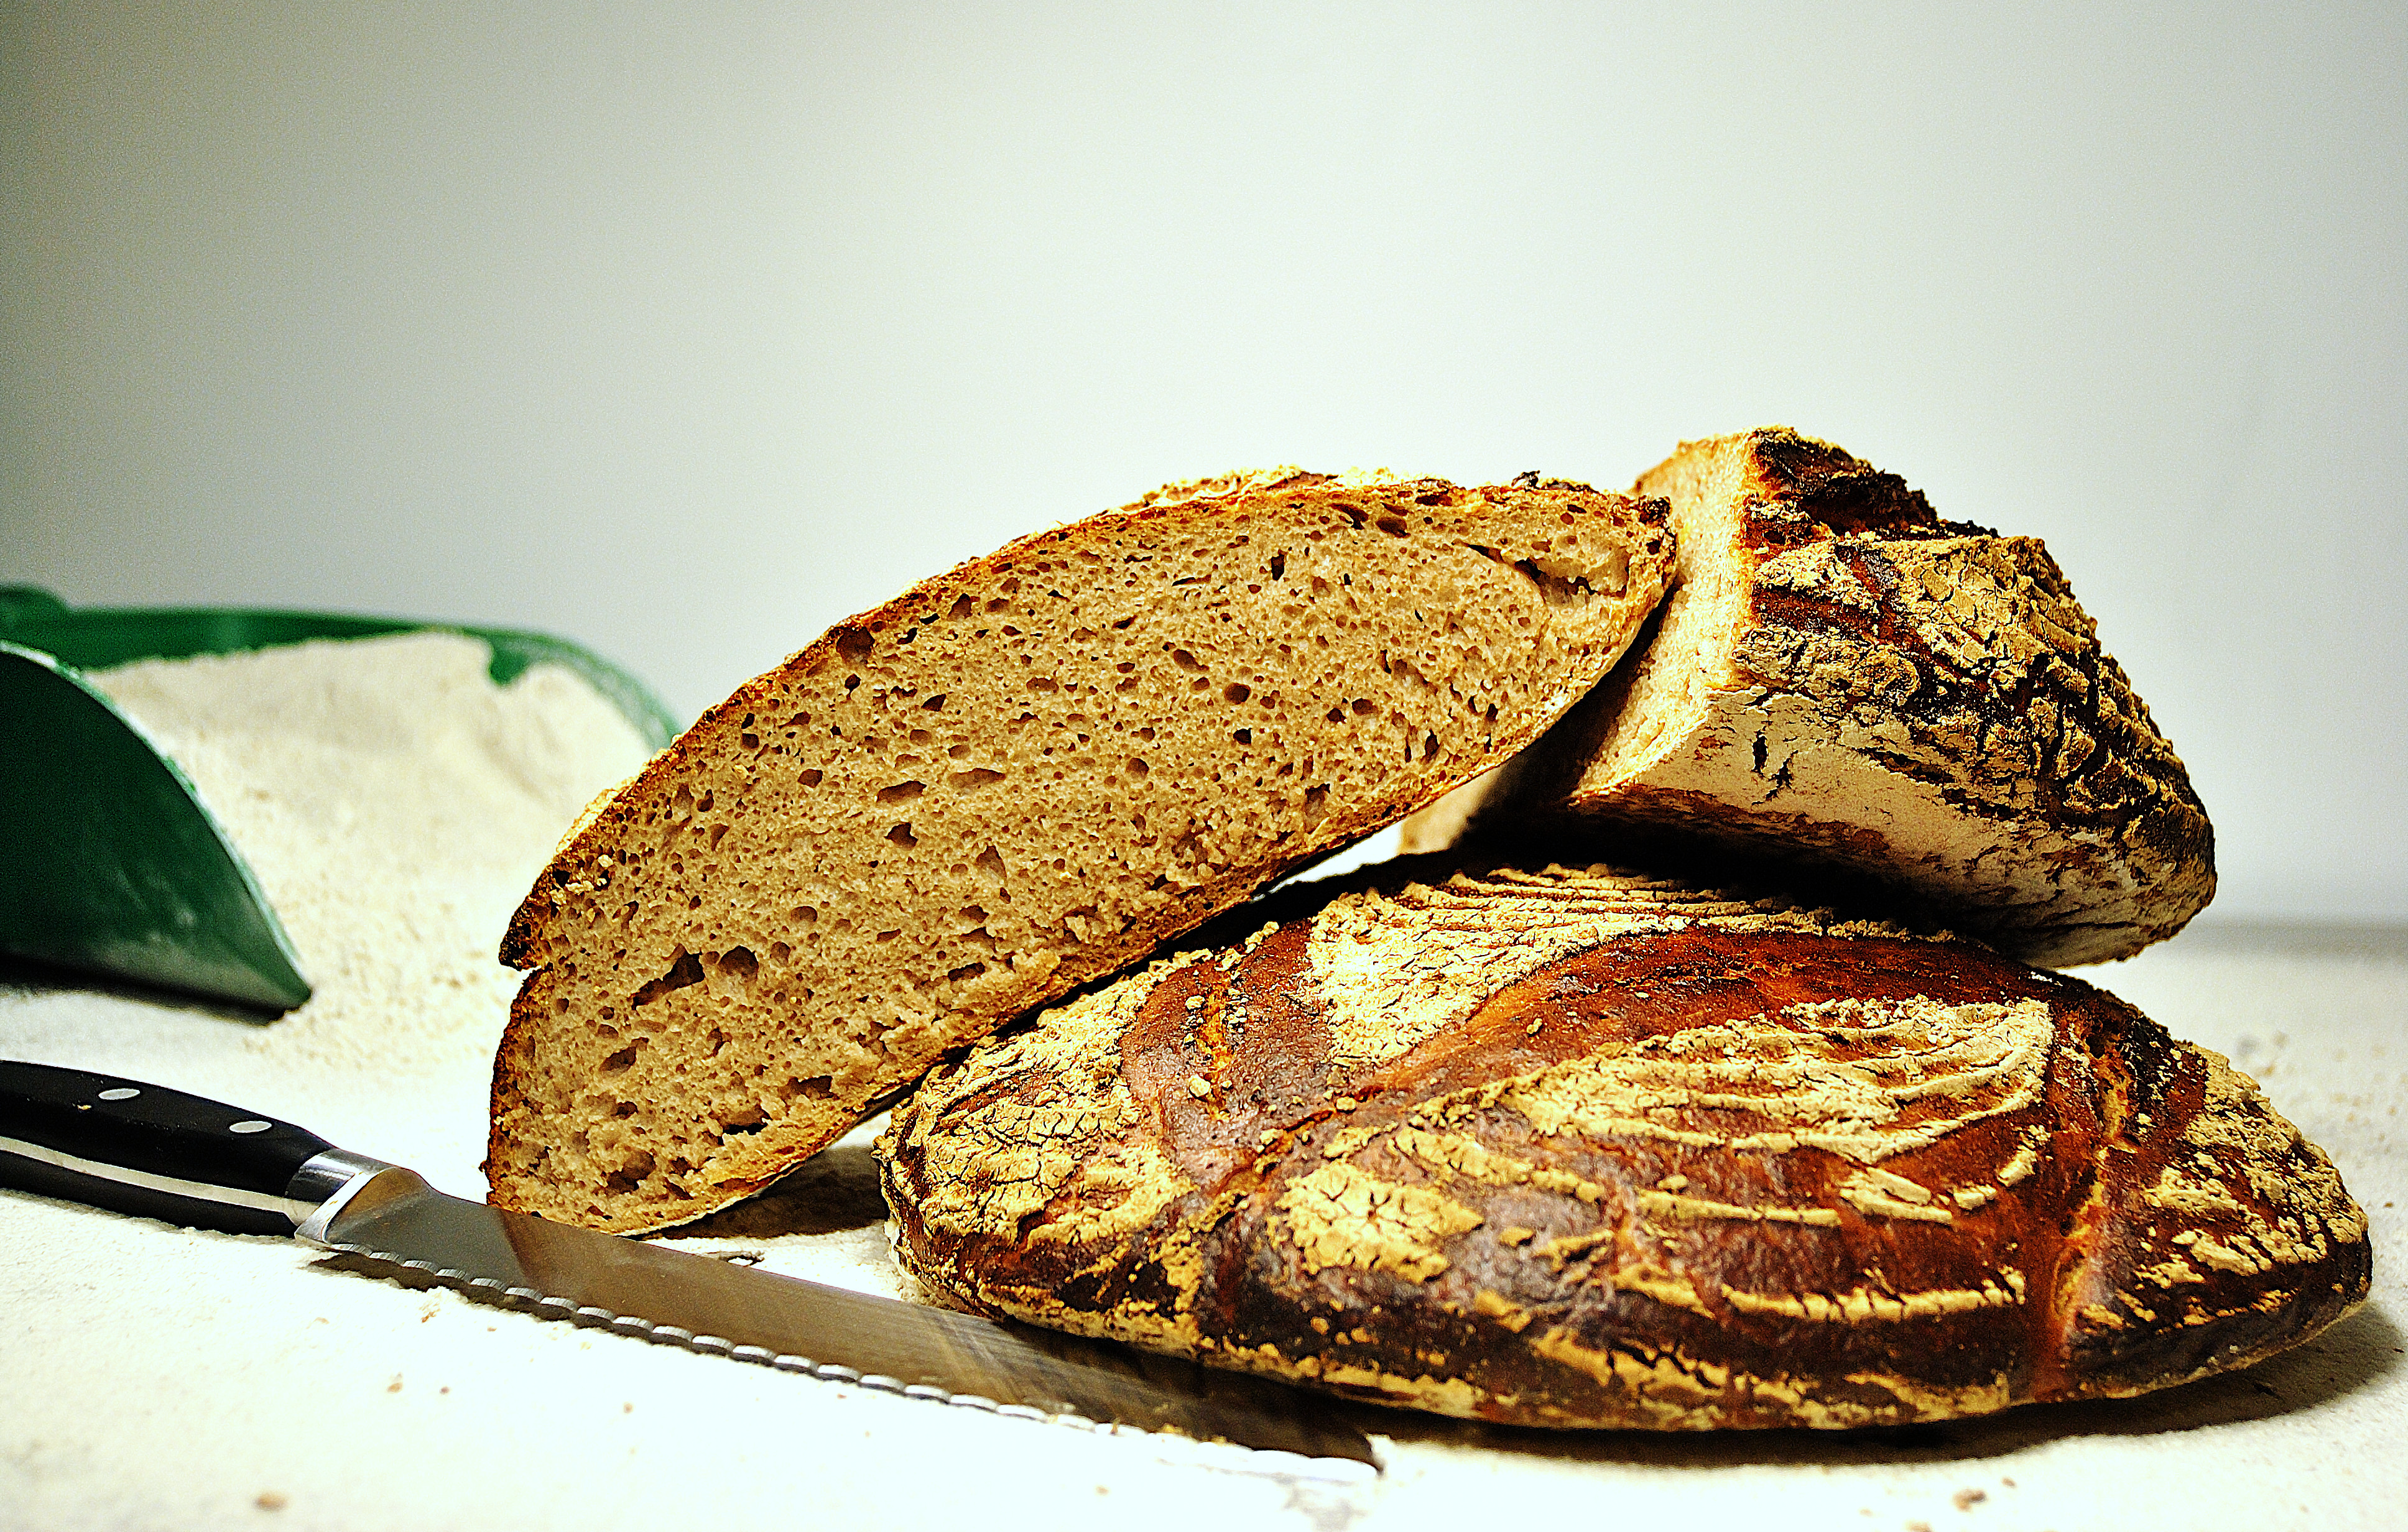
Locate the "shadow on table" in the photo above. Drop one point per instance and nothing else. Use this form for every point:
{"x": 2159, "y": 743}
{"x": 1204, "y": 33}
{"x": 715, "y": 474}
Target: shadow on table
{"x": 835, "y": 1190}
{"x": 2355, "y": 1354}
{"x": 32, "y": 975}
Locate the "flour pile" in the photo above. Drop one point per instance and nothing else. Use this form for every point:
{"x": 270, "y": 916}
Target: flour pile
{"x": 396, "y": 805}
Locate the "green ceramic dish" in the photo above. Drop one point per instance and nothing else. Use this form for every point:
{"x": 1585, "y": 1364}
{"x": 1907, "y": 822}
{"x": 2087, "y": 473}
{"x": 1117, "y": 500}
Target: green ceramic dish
{"x": 114, "y": 864}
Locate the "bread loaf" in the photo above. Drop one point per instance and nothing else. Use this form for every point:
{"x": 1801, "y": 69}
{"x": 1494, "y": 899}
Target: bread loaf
{"x": 1576, "y": 1149}
{"x": 1844, "y": 680}
{"x": 1010, "y": 780}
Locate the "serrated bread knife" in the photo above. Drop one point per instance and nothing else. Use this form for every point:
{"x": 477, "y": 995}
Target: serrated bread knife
{"x": 143, "y": 1149}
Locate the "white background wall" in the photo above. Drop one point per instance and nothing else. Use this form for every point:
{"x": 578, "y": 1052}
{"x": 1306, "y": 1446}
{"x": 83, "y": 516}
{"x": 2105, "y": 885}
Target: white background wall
{"x": 686, "y": 331}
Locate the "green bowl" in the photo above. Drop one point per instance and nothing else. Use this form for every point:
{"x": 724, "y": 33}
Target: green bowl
{"x": 115, "y": 865}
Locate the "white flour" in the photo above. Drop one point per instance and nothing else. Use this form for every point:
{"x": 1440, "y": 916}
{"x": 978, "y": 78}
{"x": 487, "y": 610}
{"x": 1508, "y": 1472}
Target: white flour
{"x": 396, "y": 805}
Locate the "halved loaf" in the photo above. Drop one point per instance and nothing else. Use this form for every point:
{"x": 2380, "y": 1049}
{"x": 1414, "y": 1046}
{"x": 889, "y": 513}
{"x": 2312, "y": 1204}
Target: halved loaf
{"x": 1842, "y": 679}
{"x": 1572, "y": 1148}
{"x": 1012, "y": 779}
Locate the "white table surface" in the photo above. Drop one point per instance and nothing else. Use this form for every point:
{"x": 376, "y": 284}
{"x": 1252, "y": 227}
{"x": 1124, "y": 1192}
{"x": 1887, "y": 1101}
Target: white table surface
{"x": 152, "y": 1377}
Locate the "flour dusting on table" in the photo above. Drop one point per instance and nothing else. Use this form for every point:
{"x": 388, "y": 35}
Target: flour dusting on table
{"x": 396, "y": 805}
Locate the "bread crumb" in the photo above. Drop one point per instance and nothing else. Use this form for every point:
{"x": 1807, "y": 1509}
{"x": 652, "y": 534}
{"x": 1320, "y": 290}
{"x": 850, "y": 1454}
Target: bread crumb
{"x": 1198, "y": 1086}
{"x": 395, "y": 1386}
{"x": 1966, "y": 1499}
{"x": 270, "y": 1500}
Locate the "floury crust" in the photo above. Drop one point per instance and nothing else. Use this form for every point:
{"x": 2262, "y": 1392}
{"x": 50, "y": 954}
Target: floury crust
{"x": 1842, "y": 681}
{"x": 1571, "y": 1148}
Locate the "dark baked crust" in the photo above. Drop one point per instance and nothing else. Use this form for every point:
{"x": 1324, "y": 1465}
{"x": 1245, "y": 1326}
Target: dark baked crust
{"x": 1882, "y": 696}
{"x": 1575, "y": 1149}
{"x": 788, "y": 915}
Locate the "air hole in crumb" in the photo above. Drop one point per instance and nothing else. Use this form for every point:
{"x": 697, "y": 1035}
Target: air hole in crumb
{"x": 1137, "y": 767}
{"x": 626, "y": 1179}
{"x": 966, "y": 972}
{"x": 683, "y": 973}
{"x": 854, "y": 644}
{"x": 990, "y": 862}
{"x": 935, "y": 704}
{"x": 1429, "y": 744}
{"x": 1186, "y": 661}
{"x": 1243, "y": 737}
{"x": 1279, "y": 566}
{"x": 1363, "y": 706}
{"x": 900, "y": 793}
{"x": 740, "y": 963}
{"x": 809, "y": 778}
{"x": 817, "y": 1088}
{"x": 889, "y": 935}
{"x": 622, "y": 1061}
{"x": 975, "y": 777}
{"x": 804, "y": 914}
{"x": 1237, "y": 691}
{"x": 1392, "y": 526}
{"x": 718, "y": 834}
{"x": 962, "y": 607}
{"x": 1316, "y": 804}
{"x": 901, "y": 834}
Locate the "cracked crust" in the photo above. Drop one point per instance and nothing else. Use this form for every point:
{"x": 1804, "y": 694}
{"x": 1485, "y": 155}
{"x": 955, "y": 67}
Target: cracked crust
{"x": 1010, "y": 780}
{"x": 1573, "y": 1148}
{"x": 1843, "y": 680}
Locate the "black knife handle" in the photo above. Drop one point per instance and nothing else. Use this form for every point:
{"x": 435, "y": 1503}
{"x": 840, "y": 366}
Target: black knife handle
{"x": 143, "y": 1149}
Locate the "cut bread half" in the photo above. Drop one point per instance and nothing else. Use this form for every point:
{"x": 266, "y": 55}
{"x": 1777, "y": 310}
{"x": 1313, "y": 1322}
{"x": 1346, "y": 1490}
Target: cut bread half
{"x": 1841, "y": 680}
{"x": 1012, "y": 779}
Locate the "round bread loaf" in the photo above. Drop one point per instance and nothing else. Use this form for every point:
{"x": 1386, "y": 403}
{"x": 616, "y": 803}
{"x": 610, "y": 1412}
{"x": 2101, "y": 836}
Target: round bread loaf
{"x": 1578, "y": 1148}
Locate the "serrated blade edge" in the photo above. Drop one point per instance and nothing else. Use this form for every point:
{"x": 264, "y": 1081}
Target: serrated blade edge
{"x": 513, "y": 1260}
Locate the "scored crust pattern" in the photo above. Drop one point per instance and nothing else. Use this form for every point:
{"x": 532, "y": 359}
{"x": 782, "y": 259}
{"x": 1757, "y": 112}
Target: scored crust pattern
{"x": 1575, "y": 1148}
{"x": 1842, "y": 678}
{"x": 1013, "y": 779}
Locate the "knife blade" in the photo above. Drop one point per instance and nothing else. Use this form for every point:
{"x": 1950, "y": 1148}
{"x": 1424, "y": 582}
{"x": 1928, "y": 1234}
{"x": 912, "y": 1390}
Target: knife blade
{"x": 145, "y": 1149}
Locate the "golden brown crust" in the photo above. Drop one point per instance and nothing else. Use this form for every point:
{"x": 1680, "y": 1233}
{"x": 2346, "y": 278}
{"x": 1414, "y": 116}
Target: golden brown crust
{"x": 1015, "y": 777}
{"x": 1844, "y": 680}
{"x": 1577, "y": 1149}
